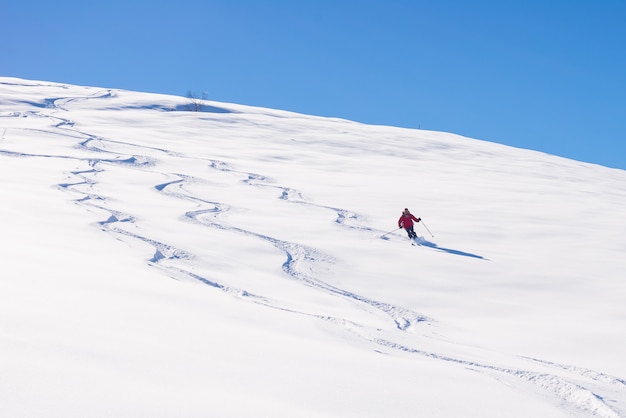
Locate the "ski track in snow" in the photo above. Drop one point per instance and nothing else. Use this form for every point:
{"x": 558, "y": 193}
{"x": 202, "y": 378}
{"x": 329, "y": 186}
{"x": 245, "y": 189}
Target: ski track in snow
{"x": 581, "y": 392}
{"x": 297, "y": 255}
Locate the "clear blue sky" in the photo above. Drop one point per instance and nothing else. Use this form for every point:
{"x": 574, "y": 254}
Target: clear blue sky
{"x": 545, "y": 75}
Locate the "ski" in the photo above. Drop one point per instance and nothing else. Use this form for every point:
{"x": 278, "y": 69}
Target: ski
{"x": 417, "y": 241}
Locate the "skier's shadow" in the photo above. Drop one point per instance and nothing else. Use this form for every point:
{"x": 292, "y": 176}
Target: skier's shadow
{"x": 423, "y": 242}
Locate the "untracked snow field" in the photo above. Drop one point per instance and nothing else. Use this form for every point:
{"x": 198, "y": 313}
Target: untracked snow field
{"x": 242, "y": 262}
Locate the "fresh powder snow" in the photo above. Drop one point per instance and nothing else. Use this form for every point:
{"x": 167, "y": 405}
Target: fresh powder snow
{"x": 244, "y": 262}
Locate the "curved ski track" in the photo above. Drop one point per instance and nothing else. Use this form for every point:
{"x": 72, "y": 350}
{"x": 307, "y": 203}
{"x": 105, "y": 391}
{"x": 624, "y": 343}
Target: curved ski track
{"x": 581, "y": 392}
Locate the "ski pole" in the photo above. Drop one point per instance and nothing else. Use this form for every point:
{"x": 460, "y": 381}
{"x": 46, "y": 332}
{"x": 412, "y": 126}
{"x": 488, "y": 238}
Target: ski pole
{"x": 383, "y": 235}
{"x": 431, "y": 234}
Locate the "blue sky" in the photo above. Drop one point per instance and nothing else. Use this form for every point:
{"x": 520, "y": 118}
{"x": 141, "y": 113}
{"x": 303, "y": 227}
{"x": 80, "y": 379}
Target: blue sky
{"x": 543, "y": 75}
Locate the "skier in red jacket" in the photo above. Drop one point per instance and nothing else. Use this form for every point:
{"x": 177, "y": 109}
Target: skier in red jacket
{"x": 406, "y": 222}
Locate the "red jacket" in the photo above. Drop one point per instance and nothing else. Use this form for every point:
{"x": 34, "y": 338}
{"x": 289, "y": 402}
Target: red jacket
{"x": 406, "y": 221}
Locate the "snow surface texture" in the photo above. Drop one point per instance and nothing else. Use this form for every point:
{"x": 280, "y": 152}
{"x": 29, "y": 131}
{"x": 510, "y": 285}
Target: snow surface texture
{"x": 238, "y": 262}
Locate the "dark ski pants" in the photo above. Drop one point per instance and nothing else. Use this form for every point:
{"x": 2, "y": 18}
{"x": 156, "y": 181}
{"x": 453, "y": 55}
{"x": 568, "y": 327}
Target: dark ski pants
{"x": 410, "y": 231}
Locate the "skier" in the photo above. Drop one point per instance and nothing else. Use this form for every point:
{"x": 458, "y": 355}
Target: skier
{"x": 406, "y": 222}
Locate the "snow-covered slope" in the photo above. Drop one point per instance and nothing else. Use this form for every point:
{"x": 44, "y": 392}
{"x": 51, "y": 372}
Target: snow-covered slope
{"x": 237, "y": 262}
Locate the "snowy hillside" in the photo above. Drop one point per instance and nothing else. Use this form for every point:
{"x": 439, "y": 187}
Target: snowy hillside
{"x": 242, "y": 262}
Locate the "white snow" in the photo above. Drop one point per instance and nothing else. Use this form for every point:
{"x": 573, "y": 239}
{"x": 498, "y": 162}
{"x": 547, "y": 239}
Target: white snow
{"x": 232, "y": 263}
